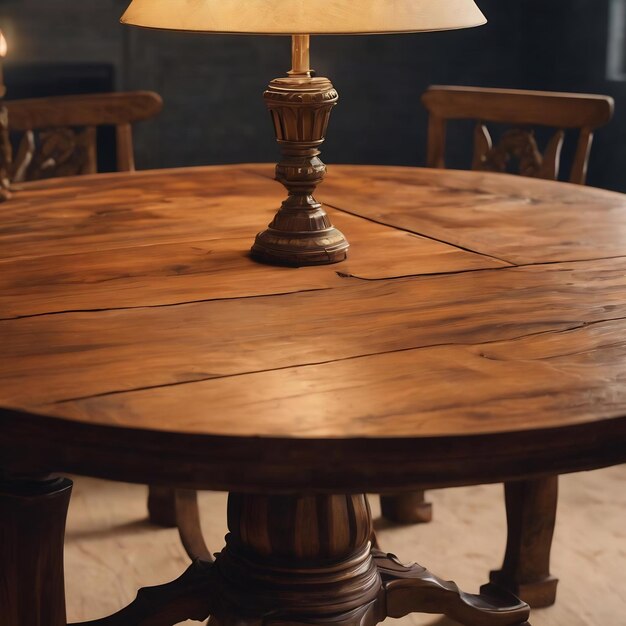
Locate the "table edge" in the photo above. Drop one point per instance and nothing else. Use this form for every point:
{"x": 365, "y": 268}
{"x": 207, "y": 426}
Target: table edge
{"x": 28, "y": 445}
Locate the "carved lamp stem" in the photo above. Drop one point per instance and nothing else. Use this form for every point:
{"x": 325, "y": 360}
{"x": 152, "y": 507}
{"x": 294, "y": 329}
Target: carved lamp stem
{"x": 300, "y": 56}
{"x": 300, "y": 106}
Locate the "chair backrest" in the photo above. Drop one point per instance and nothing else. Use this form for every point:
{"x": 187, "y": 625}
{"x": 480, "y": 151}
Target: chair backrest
{"x": 522, "y": 110}
{"x": 60, "y": 132}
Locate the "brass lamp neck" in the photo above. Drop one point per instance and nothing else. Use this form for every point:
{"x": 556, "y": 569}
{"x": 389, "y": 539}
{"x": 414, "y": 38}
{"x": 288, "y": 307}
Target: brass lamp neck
{"x": 300, "y": 56}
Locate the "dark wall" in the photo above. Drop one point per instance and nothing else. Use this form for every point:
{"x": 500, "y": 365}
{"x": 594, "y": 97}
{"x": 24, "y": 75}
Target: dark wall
{"x": 567, "y": 51}
{"x": 212, "y": 85}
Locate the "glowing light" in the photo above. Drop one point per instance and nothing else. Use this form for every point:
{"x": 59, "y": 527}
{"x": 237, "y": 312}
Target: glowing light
{"x": 3, "y": 45}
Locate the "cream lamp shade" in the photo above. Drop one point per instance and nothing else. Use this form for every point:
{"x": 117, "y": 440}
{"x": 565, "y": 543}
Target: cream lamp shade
{"x": 292, "y": 17}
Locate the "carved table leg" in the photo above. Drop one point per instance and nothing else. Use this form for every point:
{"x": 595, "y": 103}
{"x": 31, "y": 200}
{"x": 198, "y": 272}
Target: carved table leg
{"x": 406, "y": 508}
{"x": 412, "y": 588}
{"x": 531, "y": 514}
{"x": 32, "y": 530}
{"x": 187, "y": 597}
{"x": 300, "y": 560}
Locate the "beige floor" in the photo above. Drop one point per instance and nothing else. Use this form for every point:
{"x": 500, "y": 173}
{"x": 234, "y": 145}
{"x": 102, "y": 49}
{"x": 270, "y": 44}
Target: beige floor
{"x": 111, "y": 550}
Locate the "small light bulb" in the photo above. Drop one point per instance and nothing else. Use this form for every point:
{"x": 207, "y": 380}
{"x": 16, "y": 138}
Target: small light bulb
{"x": 3, "y": 45}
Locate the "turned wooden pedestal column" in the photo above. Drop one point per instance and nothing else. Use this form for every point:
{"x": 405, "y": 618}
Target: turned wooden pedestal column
{"x": 32, "y": 530}
{"x": 305, "y": 557}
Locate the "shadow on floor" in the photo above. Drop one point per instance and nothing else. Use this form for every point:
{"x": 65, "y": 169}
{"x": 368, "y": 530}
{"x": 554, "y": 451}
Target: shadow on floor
{"x": 128, "y": 529}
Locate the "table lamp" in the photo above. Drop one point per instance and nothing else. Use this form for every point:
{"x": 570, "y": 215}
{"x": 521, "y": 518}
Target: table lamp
{"x": 300, "y": 103}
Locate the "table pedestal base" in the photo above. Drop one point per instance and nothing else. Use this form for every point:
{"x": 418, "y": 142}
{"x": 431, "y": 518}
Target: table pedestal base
{"x": 308, "y": 560}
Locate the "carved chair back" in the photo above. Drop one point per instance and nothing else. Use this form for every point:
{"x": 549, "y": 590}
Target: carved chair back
{"x": 59, "y": 133}
{"x": 523, "y": 110}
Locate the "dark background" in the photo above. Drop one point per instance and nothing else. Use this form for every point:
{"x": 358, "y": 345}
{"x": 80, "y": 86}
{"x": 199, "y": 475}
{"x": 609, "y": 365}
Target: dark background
{"x": 212, "y": 85}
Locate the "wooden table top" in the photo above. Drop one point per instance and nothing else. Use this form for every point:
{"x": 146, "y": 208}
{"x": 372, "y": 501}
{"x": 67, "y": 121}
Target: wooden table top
{"x": 476, "y": 332}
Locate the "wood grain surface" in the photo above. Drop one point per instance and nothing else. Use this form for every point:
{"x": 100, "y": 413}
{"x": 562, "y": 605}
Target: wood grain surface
{"x": 474, "y": 309}
{"x": 519, "y": 221}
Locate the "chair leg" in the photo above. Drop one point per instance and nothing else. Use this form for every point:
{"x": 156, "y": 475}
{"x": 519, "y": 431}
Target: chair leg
{"x": 162, "y": 506}
{"x": 531, "y": 515}
{"x": 178, "y": 508}
{"x": 406, "y": 508}
{"x": 189, "y": 527}
{"x": 32, "y": 532}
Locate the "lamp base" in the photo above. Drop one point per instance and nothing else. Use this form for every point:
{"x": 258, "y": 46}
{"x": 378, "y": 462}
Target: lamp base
{"x": 297, "y": 249}
{"x": 300, "y": 236}
{"x": 301, "y": 232}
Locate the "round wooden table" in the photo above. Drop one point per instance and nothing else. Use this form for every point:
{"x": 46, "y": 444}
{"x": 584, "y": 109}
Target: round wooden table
{"x": 477, "y": 333}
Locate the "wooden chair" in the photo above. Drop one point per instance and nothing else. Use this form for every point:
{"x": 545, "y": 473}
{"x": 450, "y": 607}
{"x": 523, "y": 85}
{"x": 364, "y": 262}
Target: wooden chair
{"x": 521, "y": 110}
{"x": 59, "y": 138}
{"x": 531, "y": 504}
{"x": 59, "y": 133}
